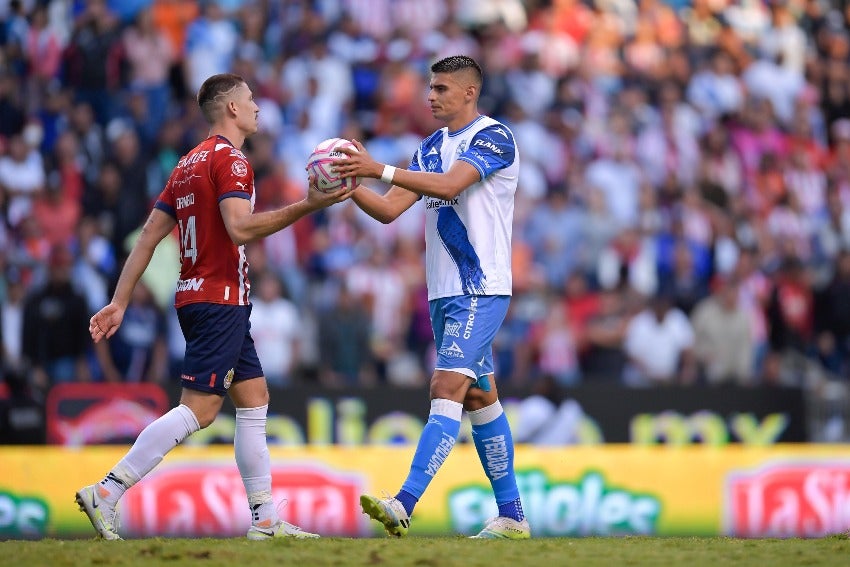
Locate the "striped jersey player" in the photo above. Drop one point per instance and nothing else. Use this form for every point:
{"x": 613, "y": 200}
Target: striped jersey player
{"x": 466, "y": 174}
{"x": 212, "y": 268}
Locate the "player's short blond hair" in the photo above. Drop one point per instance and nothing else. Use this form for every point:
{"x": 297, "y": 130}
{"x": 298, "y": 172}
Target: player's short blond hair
{"x": 214, "y": 93}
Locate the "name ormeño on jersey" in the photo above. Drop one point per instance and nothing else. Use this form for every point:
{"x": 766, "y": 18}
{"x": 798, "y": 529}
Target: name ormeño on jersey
{"x": 468, "y": 237}
{"x": 183, "y": 202}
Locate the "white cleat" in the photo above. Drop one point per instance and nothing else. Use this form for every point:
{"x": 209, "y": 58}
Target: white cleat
{"x": 103, "y": 516}
{"x": 504, "y": 528}
{"x": 388, "y": 511}
{"x": 281, "y": 529}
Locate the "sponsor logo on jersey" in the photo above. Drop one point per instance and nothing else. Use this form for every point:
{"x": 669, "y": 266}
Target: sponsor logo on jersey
{"x": 239, "y": 168}
{"x": 236, "y": 153}
{"x": 228, "y": 378}
{"x": 193, "y": 284}
{"x": 437, "y": 203}
{"x": 183, "y": 202}
{"x": 500, "y": 130}
{"x": 433, "y": 152}
{"x": 453, "y": 351}
{"x": 194, "y": 158}
{"x": 453, "y": 329}
{"x": 489, "y": 145}
{"x": 470, "y": 319}
{"x": 187, "y": 377}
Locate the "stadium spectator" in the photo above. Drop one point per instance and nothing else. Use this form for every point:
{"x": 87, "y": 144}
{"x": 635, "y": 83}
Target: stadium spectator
{"x": 92, "y": 60}
{"x": 344, "y": 332}
{"x": 723, "y": 340}
{"x": 276, "y": 330}
{"x": 54, "y": 323}
{"x": 22, "y": 178}
{"x": 659, "y": 344}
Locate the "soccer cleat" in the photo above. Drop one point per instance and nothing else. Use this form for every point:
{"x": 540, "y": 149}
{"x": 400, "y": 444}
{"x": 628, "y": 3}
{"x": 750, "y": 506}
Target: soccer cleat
{"x": 102, "y": 515}
{"x": 389, "y": 511}
{"x": 504, "y": 528}
{"x": 281, "y": 529}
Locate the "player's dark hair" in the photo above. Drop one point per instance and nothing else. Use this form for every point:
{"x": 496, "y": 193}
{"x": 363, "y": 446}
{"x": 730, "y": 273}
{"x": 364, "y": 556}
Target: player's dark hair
{"x": 456, "y": 63}
{"x": 213, "y": 92}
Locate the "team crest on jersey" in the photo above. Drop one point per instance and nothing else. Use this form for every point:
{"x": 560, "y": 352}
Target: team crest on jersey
{"x": 239, "y": 168}
{"x": 453, "y": 329}
{"x": 228, "y": 379}
{"x": 461, "y": 147}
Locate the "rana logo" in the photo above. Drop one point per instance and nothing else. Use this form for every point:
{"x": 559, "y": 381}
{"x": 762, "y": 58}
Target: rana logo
{"x": 228, "y": 379}
{"x": 586, "y": 507}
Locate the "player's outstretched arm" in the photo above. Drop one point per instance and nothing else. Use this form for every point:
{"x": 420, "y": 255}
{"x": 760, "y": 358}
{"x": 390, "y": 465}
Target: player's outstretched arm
{"x": 446, "y": 185}
{"x": 105, "y": 322}
{"x": 243, "y": 226}
{"x": 385, "y": 208}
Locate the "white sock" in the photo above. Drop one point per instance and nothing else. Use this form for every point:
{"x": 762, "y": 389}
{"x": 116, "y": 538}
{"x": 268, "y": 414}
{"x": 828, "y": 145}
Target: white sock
{"x": 152, "y": 444}
{"x": 252, "y": 459}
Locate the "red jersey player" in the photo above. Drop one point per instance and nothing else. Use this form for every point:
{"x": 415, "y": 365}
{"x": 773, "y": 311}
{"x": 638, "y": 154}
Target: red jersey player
{"x": 209, "y": 197}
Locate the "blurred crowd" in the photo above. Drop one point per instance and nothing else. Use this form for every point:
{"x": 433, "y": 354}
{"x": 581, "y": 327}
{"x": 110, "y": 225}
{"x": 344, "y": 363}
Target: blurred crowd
{"x": 682, "y": 216}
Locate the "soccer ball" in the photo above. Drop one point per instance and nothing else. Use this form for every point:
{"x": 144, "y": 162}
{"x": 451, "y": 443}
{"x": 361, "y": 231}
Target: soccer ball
{"x": 321, "y": 166}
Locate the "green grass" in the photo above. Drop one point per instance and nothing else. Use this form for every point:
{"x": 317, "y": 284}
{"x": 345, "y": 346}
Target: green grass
{"x": 431, "y": 552}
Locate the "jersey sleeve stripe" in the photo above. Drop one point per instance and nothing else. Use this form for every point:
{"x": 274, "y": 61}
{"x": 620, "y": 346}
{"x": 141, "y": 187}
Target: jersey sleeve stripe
{"x": 239, "y": 194}
{"x": 481, "y": 172}
{"x": 165, "y": 208}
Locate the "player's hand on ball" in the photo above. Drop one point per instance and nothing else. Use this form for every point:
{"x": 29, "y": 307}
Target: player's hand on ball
{"x": 321, "y": 199}
{"x": 358, "y": 163}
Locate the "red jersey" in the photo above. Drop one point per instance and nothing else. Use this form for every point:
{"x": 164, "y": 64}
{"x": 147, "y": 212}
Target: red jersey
{"x": 212, "y": 268}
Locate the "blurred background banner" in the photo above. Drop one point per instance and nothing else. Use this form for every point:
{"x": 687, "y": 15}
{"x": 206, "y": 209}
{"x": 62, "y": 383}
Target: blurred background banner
{"x": 80, "y": 414}
{"x": 779, "y": 491}
{"x": 90, "y": 414}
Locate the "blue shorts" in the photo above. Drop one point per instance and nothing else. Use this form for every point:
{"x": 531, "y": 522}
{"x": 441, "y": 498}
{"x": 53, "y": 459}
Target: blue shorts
{"x": 219, "y": 347}
{"x": 464, "y": 329}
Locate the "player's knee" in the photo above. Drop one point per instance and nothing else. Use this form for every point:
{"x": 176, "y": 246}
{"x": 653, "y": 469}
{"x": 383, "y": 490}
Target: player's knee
{"x": 206, "y": 417}
{"x": 477, "y": 399}
{"x": 448, "y": 386}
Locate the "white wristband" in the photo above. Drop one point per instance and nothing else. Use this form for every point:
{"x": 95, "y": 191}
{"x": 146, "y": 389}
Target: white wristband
{"x": 388, "y": 174}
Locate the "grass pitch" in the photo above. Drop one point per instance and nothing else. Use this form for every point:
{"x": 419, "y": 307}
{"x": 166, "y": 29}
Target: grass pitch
{"x": 431, "y": 552}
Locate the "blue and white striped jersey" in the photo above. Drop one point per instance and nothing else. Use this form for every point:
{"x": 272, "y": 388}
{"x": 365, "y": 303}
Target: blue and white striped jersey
{"x": 468, "y": 239}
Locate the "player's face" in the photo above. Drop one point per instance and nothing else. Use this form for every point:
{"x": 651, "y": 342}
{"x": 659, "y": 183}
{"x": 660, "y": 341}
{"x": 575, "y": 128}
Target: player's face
{"x": 247, "y": 111}
{"x": 447, "y": 96}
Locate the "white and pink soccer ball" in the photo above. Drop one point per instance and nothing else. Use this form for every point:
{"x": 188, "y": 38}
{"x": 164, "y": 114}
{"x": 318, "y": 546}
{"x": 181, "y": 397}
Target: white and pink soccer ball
{"x": 321, "y": 161}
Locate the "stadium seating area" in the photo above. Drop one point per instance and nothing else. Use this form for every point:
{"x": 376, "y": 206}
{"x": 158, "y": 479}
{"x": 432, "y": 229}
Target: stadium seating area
{"x": 683, "y": 212}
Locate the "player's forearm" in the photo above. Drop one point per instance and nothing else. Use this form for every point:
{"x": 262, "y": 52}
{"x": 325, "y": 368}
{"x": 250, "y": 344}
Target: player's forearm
{"x": 259, "y": 225}
{"x": 374, "y": 205}
{"x": 437, "y": 185}
{"x": 136, "y": 264}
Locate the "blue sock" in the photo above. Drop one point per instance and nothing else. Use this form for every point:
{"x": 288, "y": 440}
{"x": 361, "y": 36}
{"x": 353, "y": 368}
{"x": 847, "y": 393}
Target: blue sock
{"x": 437, "y": 439}
{"x": 407, "y": 500}
{"x": 495, "y": 445}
